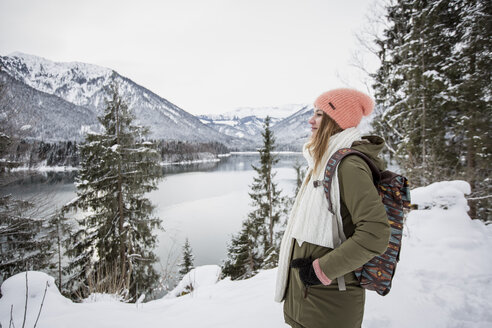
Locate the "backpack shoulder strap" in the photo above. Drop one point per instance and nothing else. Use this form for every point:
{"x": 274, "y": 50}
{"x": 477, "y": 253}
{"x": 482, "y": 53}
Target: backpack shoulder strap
{"x": 332, "y": 164}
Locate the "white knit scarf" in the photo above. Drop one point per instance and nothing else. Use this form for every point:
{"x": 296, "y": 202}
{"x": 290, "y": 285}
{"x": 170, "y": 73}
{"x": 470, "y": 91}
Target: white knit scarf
{"x": 310, "y": 219}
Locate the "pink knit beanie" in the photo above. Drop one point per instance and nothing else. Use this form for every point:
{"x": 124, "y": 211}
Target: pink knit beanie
{"x": 345, "y": 106}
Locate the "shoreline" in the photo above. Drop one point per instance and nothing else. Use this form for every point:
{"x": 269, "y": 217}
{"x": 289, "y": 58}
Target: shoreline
{"x": 44, "y": 168}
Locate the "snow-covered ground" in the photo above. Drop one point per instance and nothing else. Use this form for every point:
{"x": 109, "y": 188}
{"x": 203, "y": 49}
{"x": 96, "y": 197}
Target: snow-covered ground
{"x": 444, "y": 279}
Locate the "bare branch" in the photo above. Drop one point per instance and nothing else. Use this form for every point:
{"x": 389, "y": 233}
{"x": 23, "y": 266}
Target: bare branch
{"x": 25, "y": 306}
{"x": 11, "y": 323}
{"x": 41, "y": 307}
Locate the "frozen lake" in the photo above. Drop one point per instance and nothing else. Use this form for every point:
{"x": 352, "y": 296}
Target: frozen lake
{"x": 205, "y": 203}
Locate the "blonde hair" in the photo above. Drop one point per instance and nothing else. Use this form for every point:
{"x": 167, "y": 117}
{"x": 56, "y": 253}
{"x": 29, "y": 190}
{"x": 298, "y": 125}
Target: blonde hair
{"x": 319, "y": 142}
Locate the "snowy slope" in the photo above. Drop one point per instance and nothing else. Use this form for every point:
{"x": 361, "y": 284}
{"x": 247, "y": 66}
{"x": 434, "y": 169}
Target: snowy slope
{"x": 38, "y": 115}
{"x": 444, "y": 280}
{"x": 295, "y": 129}
{"x": 84, "y": 85}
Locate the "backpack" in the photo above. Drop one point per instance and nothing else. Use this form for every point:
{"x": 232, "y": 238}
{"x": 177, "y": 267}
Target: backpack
{"x": 394, "y": 190}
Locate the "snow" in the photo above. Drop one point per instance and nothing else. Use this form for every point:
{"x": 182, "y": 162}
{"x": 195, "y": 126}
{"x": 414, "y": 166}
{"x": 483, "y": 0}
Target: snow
{"x": 444, "y": 279}
{"x": 441, "y": 194}
{"x": 227, "y": 122}
{"x": 45, "y": 168}
{"x": 103, "y": 298}
{"x": 202, "y": 276}
{"x": 196, "y": 161}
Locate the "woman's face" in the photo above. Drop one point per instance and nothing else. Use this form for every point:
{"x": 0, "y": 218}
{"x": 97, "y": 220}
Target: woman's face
{"x": 315, "y": 121}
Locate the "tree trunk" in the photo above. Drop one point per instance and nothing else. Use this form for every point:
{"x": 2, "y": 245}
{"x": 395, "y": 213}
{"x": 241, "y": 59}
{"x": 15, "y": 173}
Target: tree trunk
{"x": 424, "y": 132}
{"x": 470, "y": 169}
{"x": 124, "y": 277}
{"x": 59, "y": 255}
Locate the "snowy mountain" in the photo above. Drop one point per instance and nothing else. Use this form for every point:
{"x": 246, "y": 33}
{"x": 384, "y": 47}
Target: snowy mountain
{"x": 277, "y": 112}
{"x": 82, "y": 85}
{"x": 294, "y": 130}
{"x": 61, "y": 101}
{"x": 248, "y": 123}
{"x": 249, "y": 127}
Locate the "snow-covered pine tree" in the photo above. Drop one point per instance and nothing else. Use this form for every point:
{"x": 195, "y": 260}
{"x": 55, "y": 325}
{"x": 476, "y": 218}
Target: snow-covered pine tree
{"x": 186, "y": 264}
{"x": 433, "y": 92}
{"x": 267, "y": 201}
{"x": 24, "y": 244}
{"x": 257, "y": 245}
{"x": 411, "y": 84}
{"x": 386, "y": 81}
{"x": 471, "y": 91}
{"x": 113, "y": 246}
{"x": 243, "y": 258}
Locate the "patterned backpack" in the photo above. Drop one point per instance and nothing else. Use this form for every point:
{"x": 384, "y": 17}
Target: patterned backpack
{"x": 378, "y": 273}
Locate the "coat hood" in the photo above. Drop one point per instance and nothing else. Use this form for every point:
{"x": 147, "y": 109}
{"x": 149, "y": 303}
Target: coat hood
{"x": 371, "y": 146}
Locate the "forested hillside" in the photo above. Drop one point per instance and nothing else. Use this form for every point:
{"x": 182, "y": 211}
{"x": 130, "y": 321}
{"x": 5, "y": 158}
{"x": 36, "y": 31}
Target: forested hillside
{"x": 433, "y": 93}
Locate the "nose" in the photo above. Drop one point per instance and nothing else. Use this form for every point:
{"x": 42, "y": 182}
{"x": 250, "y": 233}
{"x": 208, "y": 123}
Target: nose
{"x": 311, "y": 120}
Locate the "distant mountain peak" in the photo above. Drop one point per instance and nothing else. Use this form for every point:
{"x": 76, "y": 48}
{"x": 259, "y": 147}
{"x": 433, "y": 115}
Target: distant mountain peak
{"x": 278, "y": 112}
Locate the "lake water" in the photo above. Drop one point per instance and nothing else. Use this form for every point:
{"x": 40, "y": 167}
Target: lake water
{"x": 205, "y": 203}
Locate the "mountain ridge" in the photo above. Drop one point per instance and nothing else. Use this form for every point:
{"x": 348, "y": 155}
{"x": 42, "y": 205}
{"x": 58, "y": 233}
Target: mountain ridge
{"x": 81, "y": 87}
{"x": 84, "y": 85}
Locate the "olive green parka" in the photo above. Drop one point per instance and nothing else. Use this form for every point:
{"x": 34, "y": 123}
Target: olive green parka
{"x": 366, "y": 227}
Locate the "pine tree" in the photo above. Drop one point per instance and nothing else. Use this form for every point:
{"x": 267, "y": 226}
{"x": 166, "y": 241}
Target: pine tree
{"x": 268, "y": 203}
{"x": 257, "y": 245}
{"x": 243, "y": 255}
{"x": 300, "y": 175}
{"x": 411, "y": 85}
{"x": 471, "y": 120}
{"x": 186, "y": 264}
{"x": 433, "y": 92}
{"x": 115, "y": 239}
{"x": 23, "y": 241}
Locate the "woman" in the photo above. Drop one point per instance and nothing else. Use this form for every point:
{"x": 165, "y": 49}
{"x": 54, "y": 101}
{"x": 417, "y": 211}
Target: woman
{"x": 320, "y": 250}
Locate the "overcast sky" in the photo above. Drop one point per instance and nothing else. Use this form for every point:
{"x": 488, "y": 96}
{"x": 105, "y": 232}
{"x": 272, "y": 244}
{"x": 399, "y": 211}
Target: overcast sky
{"x": 205, "y": 56}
